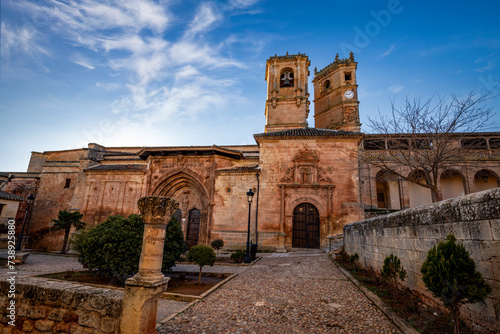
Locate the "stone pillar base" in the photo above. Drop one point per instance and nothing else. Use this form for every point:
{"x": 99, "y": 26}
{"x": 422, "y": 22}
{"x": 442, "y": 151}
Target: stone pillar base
{"x": 139, "y": 305}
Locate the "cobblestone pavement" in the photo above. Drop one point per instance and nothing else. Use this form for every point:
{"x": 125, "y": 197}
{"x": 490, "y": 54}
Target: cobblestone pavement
{"x": 284, "y": 293}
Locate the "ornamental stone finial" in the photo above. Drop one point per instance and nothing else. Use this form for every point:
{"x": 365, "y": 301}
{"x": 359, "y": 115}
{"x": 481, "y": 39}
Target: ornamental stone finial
{"x": 154, "y": 210}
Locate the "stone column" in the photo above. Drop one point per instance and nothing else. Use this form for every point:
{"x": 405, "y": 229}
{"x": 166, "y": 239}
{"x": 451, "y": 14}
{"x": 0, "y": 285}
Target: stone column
{"x": 143, "y": 290}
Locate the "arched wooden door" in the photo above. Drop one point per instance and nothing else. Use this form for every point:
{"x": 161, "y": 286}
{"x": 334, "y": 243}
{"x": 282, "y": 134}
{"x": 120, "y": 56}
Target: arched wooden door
{"x": 193, "y": 229}
{"x": 305, "y": 226}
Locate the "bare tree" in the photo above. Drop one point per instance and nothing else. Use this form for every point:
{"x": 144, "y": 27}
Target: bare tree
{"x": 421, "y": 137}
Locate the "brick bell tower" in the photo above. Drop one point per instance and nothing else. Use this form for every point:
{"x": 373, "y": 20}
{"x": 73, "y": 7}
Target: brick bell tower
{"x": 336, "y": 104}
{"x": 287, "y": 105}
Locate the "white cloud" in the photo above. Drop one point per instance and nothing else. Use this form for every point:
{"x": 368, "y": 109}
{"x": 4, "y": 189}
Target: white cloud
{"x": 108, "y": 85}
{"x": 186, "y": 72}
{"x": 242, "y": 3}
{"x": 92, "y": 15}
{"x": 21, "y": 40}
{"x": 388, "y": 51}
{"x": 82, "y": 61}
{"x": 488, "y": 67}
{"x": 164, "y": 77}
{"x": 204, "y": 19}
{"x": 396, "y": 88}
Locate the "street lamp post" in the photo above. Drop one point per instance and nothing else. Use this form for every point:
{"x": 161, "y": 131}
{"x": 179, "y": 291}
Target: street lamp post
{"x": 18, "y": 246}
{"x": 249, "y": 200}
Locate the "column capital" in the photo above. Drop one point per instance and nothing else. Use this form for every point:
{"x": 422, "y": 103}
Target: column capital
{"x": 154, "y": 210}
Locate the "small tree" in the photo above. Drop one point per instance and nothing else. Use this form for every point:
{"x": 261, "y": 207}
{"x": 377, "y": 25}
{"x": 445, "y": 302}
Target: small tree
{"x": 217, "y": 244}
{"x": 65, "y": 221}
{"x": 393, "y": 272}
{"x": 354, "y": 259}
{"x": 450, "y": 274}
{"x": 203, "y": 256}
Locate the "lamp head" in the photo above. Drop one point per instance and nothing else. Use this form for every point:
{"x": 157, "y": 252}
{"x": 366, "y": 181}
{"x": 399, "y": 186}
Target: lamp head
{"x": 250, "y": 194}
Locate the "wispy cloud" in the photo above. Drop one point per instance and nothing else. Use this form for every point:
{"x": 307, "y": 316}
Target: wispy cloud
{"x": 82, "y": 61}
{"x": 242, "y": 3}
{"x": 206, "y": 17}
{"x": 488, "y": 67}
{"x": 164, "y": 76}
{"x": 21, "y": 40}
{"x": 108, "y": 85}
{"x": 388, "y": 51}
{"x": 396, "y": 88}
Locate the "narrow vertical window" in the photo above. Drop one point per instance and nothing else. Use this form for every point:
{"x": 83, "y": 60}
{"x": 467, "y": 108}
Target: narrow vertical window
{"x": 68, "y": 183}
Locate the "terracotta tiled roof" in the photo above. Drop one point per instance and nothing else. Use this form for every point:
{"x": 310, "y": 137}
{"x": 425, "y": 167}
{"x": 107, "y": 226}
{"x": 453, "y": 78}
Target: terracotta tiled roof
{"x": 11, "y": 197}
{"x": 190, "y": 150}
{"x": 132, "y": 168}
{"x": 238, "y": 170}
{"x": 307, "y": 133}
{"x": 114, "y": 153}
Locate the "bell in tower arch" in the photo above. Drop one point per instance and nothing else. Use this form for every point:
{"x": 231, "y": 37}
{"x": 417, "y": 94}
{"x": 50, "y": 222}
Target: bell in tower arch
{"x": 286, "y": 79}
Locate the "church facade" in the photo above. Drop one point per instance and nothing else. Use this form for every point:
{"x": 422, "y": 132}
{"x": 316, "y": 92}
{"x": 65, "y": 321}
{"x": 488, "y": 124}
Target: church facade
{"x": 308, "y": 182}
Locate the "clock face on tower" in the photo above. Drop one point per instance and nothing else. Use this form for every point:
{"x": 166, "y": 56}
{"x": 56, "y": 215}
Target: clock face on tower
{"x": 349, "y": 94}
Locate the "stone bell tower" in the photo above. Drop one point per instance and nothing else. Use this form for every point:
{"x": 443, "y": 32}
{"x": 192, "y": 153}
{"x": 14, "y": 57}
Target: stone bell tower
{"x": 287, "y": 105}
{"x": 336, "y": 104}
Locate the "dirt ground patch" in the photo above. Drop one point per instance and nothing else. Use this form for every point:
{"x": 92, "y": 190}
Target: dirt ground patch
{"x": 185, "y": 284}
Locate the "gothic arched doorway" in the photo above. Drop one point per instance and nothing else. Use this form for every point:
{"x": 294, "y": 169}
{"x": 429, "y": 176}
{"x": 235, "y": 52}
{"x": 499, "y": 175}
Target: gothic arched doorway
{"x": 305, "y": 226}
{"x": 193, "y": 228}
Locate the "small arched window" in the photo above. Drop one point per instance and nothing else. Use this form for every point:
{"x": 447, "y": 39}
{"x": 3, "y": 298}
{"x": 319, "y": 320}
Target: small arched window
{"x": 286, "y": 79}
{"x": 327, "y": 84}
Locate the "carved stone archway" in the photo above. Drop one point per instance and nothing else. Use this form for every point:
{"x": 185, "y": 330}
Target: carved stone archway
{"x": 191, "y": 195}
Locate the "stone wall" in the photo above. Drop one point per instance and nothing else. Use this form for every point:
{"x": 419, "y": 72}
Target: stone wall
{"x": 59, "y": 307}
{"x": 473, "y": 219}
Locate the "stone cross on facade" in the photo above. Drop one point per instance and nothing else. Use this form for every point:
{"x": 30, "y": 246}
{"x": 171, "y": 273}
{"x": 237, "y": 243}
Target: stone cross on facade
{"x": 143, "y": 290}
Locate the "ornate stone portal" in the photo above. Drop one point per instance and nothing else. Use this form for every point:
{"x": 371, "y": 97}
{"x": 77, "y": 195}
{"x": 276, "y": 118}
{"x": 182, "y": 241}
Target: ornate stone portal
{"x": 143, "y": 290}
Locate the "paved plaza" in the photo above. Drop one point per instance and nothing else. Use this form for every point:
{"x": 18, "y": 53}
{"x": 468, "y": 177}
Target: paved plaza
{"x": 298, "y": 292}
{"x": 284, "y": 293}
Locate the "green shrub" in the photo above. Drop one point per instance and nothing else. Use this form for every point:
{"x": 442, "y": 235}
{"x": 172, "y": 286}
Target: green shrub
{"x": 203, "y": 256}
{"x": 217, "y": 244}
{"x": 392, "y": 272}
{"x": 114, "y": 246}
{"x": 238, "y": 256}
{"x": 450, "y": 274}
{"x": 175, "y": 246}
{"x": 354, "y": 259}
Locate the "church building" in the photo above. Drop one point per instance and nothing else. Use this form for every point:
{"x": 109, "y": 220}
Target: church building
{"x": 308, "y": 182}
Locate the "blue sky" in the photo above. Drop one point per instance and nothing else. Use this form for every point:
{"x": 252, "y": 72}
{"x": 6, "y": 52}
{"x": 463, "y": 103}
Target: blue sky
{"x": 173, "y": 72}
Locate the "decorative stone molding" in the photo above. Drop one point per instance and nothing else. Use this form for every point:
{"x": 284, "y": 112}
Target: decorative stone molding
{"x": 155, "y": 209}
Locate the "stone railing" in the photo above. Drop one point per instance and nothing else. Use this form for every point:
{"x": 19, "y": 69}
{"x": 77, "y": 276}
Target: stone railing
{"x": 473, "y": 219}
{"x": 51, "y": 306}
